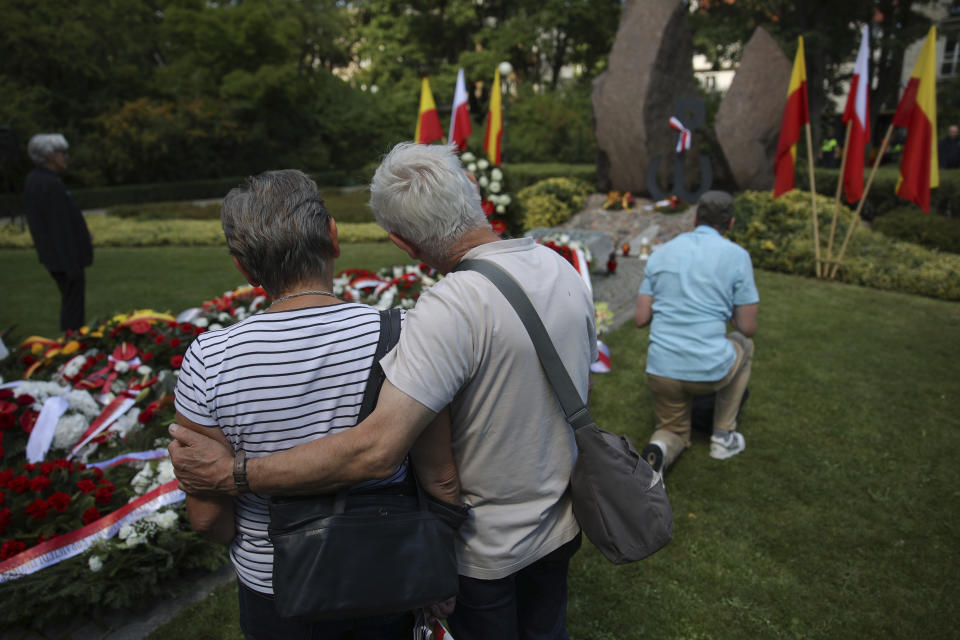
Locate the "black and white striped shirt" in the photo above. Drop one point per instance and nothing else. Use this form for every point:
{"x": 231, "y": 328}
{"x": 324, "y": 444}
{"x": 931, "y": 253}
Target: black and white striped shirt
{"x": 272, "y": 382}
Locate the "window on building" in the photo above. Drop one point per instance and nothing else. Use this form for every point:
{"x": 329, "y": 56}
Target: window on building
{"x": 950, "y": 66}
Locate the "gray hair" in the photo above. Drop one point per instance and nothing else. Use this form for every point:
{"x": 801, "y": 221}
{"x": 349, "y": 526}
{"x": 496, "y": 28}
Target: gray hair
{"x": 277, "y": 227}
{"x": 715, "y": 209}
{"x": 422, "y": 193}
{"x": 43, "y": 144}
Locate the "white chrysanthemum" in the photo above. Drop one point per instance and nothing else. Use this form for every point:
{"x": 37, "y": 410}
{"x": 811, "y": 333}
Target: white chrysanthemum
{"x": 472, "y": 167}
{"x": 223, "y": 316}
{"x": 41, "y": 390}
{"x": 505, "y": 200}
{"x": 407, "y": 303}
{"x": 386, "y": 299}
{"x": 142, "y": 482}
{"x": 496, "y": 174}
{"x": 483, "y": 164}
{"x": 164, "y": 520}
{"x": 501, "y": 208}
{"x": 495, "y": 186}
{"x": 468, "y": 157}
{"x": 133, "y": 541}
{"x": 144, "y": 370}
{"x": 165, "y": 471}
{"x": 121, "y": 366}
{"x": 69, "y": 428}
{"x": 126, "y": 531}
{"x": 215, "y": 326}
{"x": 126, "y": 423}
{"x": 95, "y": 563}
{"x": 483, "y": 181}
{"x": 201, "y": 322}
{"x": 74, "y": 365}
{"x": 242, "y": 313}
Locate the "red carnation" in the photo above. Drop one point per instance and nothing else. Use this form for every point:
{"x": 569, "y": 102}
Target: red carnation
{"x": 3, "y": 498}
{"x": 28, "y": 419}
{"x": 171, "y": 324}
{"x": 39, "y": 509}
{"x": 40, "y": 483}
{"x": 176, "y": 361}
{"x": 29, "y": 466}
{"x": 175, "y": 342}
{"x": 145, "y": 416}
{"x": 25, "y": 398}
{"x": 488, "y": 207}
{"x": 8, "y": 407}
{"x": 11, "y": 548}
{"x": 5, "y": 394}
{"x": 97, "y": 473}
{"x": 186, "y": 327}
{"x": 90, "y": 515}
{"x": 59, "y": 501}
{"x": 146, "y": 356}
{"x": 160, "y": 339}
{"x": 86, "y": 486}
{"x": 19, "y": 484}
{"x": 499, "y": 226}
{"x": 5, "y": 477}
{"x": 5, "y": 519}
{"x": 47, "y": 468}
{"x": 198, "y": 330}
{"x": 104, "y": 495}
{"x": 6, "y": 421}
{"x": 63, "y": 463}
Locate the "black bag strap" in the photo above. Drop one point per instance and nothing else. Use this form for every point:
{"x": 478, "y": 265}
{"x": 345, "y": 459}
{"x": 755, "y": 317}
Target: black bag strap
{"x": 389, "y": 335}
{"x": 573, "y": 407}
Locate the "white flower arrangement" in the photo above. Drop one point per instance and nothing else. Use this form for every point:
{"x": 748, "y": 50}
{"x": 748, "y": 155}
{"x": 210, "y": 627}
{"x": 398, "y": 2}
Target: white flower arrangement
{"x": 140, "y": 532}
{"x": 95, "y": 563}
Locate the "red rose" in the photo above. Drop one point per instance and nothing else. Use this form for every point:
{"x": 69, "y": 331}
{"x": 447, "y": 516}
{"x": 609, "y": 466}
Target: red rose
{"x": 145, "y": 416}
{"x": 175, "y": 342}
{"x": 176, "y": 361}
{"x": 39, "y": 509}
{"x": 5, "y": 394}
{"x": 39, "y": 483}
{"x": 198, "y": 330}
{"x": 140, "y": 326}
{"x": 19, "y": 484}
{"x": 171, "y": 324}
{"x": 488, "y": 207}
{"x": 160, "y": 339}
{"x": 186, "y": 327}
{"x": 6, "y": 421}
{"x": 5, "y": 518}
{"x": 63, "y": 463}
{"x": 29, "y": 466}
{"x": 146, "y": 356}
{"x": 104, "y": 495}
{"x": 28, "y": 419}
{"x": 47, "y": 468}
{"x": 3, "y": 498}
{"x": 97, "y": 473}
{"x": 8, "y": 407}
{"x": 11, "y": 548}
{"x": 5, "y": 477}
{"x": 91, "y": 515}
{"x": 59, "y": 501}
{"x": 25, "y": 398}
{"x": 86, "y": 486}
{"x": 499, "y": 226}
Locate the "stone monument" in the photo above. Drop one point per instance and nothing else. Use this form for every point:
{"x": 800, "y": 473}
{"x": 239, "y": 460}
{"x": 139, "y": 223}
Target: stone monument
{"x": 749, "y": 118}
{"x": 649, "y": 68}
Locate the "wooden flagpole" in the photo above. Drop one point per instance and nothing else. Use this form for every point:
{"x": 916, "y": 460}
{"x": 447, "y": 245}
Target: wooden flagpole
{"x": 813, "y": 201}
{"x": 836, "y": 200}
{"x": 856, "y": 215}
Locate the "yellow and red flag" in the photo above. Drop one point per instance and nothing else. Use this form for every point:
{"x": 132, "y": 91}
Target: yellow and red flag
{"x": 857, "y": 115}
{"x": 494, "y": 134}
{"x": 796, "y": 113}
{"x": 917, "y": 112}
{"x": 428, "y": 122}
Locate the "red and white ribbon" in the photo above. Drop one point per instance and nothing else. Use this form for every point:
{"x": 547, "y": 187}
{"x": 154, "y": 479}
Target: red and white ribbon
{"x": 137, "y": 456}
{"x": 119, "y": 406}
{"x": 63, "y": 547}
{"x": 602, "y": 364}
{"x": 683, "y": 142}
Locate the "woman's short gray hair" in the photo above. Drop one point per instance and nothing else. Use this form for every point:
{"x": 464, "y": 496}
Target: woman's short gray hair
{"x": 43, "y": 144}
{"x": 422, "y": 193}
{"x": 278, "y": 229}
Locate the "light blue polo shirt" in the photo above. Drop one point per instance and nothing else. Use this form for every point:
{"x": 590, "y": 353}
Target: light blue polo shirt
{"x": 695, "y": 279}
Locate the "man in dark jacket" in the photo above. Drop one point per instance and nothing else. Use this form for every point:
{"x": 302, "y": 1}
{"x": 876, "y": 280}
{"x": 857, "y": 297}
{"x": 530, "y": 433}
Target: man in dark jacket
{"x": 59, "y": 231}
{"x": 949, "y": 150}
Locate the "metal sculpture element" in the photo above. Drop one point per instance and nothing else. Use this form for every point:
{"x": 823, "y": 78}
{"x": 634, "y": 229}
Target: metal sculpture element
{"x": 696, "y": 116}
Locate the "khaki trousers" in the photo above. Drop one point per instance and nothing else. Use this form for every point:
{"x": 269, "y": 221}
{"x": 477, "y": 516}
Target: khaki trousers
{"x": 673, "y": 399}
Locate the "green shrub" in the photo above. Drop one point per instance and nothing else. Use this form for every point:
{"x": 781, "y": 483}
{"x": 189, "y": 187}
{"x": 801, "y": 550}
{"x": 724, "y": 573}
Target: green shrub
{"x": 911, "y": 225}
{"x": 522, "y": 175}
{"x": 118, "y": 232}
{"x": 551, "y": 202}
{"x": 778, "y": 234}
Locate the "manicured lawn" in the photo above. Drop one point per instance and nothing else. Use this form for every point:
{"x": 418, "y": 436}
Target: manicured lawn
{"x": 160, "y": 278}
{"x": 839, "y": 520}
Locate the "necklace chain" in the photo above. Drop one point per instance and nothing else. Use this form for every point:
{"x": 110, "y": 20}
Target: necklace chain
{"x": 302, "y": 293}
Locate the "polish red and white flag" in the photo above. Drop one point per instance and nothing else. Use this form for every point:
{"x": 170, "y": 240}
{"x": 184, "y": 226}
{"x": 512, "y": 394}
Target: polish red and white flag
{"x": 460, "y": 128}
{"x": 857, "y": 116}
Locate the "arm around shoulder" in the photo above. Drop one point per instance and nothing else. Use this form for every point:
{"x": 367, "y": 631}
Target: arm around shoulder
{"x": 210, "y": 516}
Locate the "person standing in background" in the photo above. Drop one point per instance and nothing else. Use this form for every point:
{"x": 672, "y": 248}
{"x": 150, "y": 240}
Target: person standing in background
{"x": 57, "y": 226}
{"x": 949, "y": 150}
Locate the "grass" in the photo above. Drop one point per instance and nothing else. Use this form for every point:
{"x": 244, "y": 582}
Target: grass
{"x": 122, "y": 279}
{"x": 838, "y": 521}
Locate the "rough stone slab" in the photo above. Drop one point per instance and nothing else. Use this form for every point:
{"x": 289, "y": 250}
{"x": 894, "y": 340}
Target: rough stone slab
{"x": 599, "y": 243}
{"x": 648, "y": 69}
{"x": 749, "y": 118}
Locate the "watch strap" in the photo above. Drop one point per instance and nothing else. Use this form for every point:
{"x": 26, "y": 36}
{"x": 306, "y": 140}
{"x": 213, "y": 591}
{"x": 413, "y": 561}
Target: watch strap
{"x": 240, "y": 472}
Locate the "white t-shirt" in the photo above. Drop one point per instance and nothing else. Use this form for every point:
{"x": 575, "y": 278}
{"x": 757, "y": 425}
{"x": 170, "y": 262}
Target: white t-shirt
{"x": 272, "y": 382}
{"x": 464, "y": 345}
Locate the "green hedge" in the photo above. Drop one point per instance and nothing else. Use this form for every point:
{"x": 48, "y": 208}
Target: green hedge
{"x": 522, "y": 175}
{"x": 118, "y": 232}
{"x": 883, "y": 198}
{"x": 911, "y": 225}
{"x": 550, "y": 202}
{"x": 778, "y": 234}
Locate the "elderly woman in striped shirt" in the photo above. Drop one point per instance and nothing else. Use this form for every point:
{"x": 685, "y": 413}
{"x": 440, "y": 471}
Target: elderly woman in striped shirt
{"x": 284, "y": 377}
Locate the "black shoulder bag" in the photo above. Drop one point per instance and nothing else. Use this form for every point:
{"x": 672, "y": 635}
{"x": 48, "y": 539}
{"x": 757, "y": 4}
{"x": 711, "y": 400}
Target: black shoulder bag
{"x": 364, "y": 552}
{"x": 618, "y": 499}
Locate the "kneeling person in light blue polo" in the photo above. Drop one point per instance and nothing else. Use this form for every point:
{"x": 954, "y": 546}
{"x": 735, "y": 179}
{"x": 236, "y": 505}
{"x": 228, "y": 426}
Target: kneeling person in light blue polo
{"x": 692, "y": 287}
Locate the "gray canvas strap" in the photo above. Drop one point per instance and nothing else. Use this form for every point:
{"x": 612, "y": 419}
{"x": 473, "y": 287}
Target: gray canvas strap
{"x": 576, "y": 412}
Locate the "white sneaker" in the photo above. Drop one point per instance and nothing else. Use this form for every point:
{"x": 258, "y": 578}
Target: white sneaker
{"x": 723, "y": 448}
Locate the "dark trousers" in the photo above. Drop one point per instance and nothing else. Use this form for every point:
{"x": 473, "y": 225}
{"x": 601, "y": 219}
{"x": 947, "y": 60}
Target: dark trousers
{"x": 530, "y": 604}
{"x": 71, "y": 299}
{"x": 259, "y": 620}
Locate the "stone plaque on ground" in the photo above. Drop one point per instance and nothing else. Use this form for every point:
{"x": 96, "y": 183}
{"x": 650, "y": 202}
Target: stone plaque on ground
{"x": 648, "y": 69}
{"x": 748, "y": 122}
{"x": 599, "y": 243}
